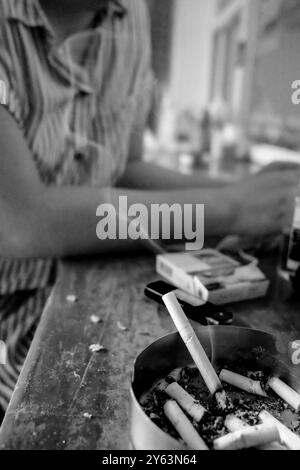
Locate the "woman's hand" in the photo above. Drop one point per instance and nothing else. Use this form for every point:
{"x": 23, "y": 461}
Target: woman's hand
{"x": 264, "y": 204}
{"x": 281, "y": 166}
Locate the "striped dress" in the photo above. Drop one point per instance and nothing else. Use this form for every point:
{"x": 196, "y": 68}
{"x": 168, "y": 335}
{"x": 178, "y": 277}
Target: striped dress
{"x": 77, "y": 105}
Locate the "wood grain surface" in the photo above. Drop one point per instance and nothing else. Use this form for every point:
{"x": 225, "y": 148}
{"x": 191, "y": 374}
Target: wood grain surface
{"x": 62, "y": 381}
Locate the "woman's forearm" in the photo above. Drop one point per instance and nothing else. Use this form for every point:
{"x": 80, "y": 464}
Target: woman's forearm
{"x": 144, "y": 175}
{"x": 40, "y": 221}
{"x": 65, "y": 221}
{"x": 77, "y": 214}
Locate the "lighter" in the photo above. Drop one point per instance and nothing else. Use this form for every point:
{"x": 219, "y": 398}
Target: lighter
{"x": 194, "y": 308}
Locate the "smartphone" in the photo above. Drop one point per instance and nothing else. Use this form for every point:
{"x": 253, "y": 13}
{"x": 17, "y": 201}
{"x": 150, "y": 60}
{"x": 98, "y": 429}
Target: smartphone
{"x": 194, "y": 308}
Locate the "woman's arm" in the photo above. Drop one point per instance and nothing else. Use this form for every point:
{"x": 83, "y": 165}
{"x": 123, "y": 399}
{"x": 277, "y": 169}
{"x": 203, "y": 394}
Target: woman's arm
{"x": 41, "y": 221}
{"x": 144, "y": 175}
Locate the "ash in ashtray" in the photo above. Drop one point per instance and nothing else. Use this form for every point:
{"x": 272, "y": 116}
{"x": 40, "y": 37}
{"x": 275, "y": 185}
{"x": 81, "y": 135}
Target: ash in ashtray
{"x": 212, "y": 423}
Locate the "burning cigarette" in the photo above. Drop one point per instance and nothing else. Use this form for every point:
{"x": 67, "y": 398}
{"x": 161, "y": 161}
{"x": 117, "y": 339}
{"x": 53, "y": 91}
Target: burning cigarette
{"x": 285, "y": 392}
{"x": 247, "y": 437}
{"x": 186, "y": 401}
{"x": 287, "y": 437}
{"x": 183, "y": 426}
{"x": 188, "y": 335}
{"x": 233, "y": 424}
{"x": 243, "y": 383}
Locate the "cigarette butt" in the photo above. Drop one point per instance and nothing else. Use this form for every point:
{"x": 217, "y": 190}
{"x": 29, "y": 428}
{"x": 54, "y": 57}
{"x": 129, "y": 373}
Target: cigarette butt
{"x": 233, "y": 424}
{"x": 175, "y": 374}
{"x": 186, "y": 401}
{"x": 192, "y": 343}
{"x": 287, "y": 437}
{"x": 183, "y": 426}
{"x": 241, "y": 382}
{"x": 248, "y": 437}
{"x": 290, "y": 396}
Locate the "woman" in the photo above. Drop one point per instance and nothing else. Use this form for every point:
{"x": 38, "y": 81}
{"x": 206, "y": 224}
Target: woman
{"x": 78, "y": 78}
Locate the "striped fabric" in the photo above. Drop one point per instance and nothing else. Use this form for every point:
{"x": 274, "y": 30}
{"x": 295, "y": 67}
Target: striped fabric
{"x": 77, "y": 105}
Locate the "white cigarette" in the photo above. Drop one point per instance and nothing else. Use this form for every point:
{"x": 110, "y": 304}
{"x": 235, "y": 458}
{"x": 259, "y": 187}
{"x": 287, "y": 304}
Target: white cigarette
{"x": 186, "y": 401}
{"x": 285, "y": 392}
{"x": 287, "y": 437}
{"x": 183, "y": 426}
{"x": 248, "y": 437}
{"x": 233, "y": 424}
{"x": 243, "y": 383}
{"x": 192, "y": 342}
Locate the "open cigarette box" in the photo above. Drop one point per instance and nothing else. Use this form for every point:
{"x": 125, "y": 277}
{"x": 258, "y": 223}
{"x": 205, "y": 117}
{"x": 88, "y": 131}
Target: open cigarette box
{"x": 226, "y": 279}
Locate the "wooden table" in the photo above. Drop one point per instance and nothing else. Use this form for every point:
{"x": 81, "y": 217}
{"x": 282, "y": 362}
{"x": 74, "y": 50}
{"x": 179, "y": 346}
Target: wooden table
{"x": 62, "y": 380}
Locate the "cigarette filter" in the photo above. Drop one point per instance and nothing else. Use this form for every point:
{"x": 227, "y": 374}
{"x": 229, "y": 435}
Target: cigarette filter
{"x": 186, "y": 401}
{"x": 287, "y": 437}
{"x": 183, "y": 426}
{"x": 243, "y": 383}
{"x": 234, "y": 424}
{"x": 248, "y": 437}
{"x": 285, "y": 392}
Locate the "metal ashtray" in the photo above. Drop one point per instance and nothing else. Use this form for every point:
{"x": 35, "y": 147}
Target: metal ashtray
{"x": 233, "y": 346}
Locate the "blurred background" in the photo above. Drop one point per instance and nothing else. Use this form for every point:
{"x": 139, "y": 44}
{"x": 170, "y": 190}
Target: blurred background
{"x": 223, "y": 97}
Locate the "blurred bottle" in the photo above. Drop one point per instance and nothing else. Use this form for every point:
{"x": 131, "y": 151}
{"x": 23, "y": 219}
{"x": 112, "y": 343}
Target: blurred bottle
{"x": 188, "y": 139}
{"x": 203, "y": 153}
{"x": 291, "y": 245}
{"x": 293, "y": 262}
{"x": 218, "y": 117}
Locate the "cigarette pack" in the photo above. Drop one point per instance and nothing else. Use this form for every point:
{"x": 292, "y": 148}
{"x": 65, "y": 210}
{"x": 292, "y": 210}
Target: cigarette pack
{"x": 227, "y": 279}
